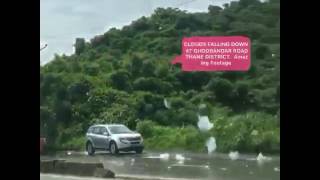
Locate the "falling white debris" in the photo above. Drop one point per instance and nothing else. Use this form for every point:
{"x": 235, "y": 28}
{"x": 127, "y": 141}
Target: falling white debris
{"x": 204, "y": 124}
{"x": 69, "y": 153}
{"x": 246, "y": 165}
{"x": 164, "y": 156}
{"x": 273, "y": 55}
{"x": 276, "y": 169}
{"x": 234, "y": 155}
{"x": 211, "y": 145}
{"x": 152, "y": 157}
{"x": 179, "y": 157}
{"x": 251, "y": 172}
{"x": 132, "y": 162}
{"x": 166, "y": 104}
{"x": 223, "y": 169}
{"x": 262, "y": 158}
{"x": 181, "y": 162}
{"x": 254, "y": 133}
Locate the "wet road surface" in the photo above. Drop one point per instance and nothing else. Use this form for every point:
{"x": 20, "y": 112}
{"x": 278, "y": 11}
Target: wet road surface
{"x": 177, "y": 165}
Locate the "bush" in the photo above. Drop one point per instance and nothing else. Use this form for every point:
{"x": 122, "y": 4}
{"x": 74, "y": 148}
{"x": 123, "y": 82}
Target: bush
{"x": 250, "y": 132}
{"x": 146, "y": 128}
{"x": 75, "y": 143}
{"x": 188, "y": 138}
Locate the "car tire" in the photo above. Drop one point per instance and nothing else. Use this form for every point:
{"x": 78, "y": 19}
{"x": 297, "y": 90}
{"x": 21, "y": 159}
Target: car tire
{"x": 90, "y": 149}
{"x": 113, "y": 148}
{"x": 139, "y": 151}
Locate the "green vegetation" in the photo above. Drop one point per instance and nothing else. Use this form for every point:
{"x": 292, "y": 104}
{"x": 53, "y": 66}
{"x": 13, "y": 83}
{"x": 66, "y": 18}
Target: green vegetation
{"x": 124, "y": 75}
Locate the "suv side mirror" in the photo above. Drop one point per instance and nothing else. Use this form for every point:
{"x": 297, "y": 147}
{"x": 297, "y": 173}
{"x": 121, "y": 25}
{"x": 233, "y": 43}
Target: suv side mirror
{"x": 106, "y": 134}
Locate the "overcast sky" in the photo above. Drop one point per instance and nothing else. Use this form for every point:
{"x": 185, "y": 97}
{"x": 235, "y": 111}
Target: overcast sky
{"x": 61, "y": 21}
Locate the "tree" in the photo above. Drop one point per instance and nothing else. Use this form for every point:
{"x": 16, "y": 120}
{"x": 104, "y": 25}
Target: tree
{"x": 222, "y": 88}
{"x": 63, "y": 111}
{"x": 214, "y": 10}
{"x": 92, "y": 69}
{"x": 48, "y": 124}
{"x": 246, "y": 3}
{"x": 278, "y": 94}
{"x": 75, "y": 67}
{"x": 97, "y": 40}
{"x": 120, "y": 80}
{"x": 243, "y": 99}
{"x": 79, "y": 90}
{"x": 152, "y": 85}
{"x": 135, "y": 65}
{"x": 162, "y": 71}
{"x": 79, "y": 45}
{"x": 193, "y": 80}
{"x": 262, "y": 51}
{"x": 140, "y": 24}
{"x": 148, "y": 68}
{"x": 190, "y": 22}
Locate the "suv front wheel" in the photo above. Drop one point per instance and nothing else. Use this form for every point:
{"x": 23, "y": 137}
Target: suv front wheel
{"x": 90, "y": 149}
{"x": 139, "y": 151}
{"x": 113, "y": 148}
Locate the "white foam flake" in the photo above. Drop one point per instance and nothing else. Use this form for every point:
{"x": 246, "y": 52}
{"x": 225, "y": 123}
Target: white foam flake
{"x": 234, "y": 155}
{"x": 167, "y": 104}
{"x": 254, "y": 133}
{"x": 179, "y": 157}
{"x": 165, "y": 156}
{"x": 261, "y": 158}
{"x": 276, "y": 169}
{"x": 204, "y": 123}
{"x": 211, "y": 145}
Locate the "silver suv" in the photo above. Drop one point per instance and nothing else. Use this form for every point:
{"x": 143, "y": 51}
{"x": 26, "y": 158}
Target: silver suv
{"x": 114, "y": 138}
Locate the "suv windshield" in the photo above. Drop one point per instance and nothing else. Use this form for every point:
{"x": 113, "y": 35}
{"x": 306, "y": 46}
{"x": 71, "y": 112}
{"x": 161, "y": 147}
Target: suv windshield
{"x": 119, "y": 130}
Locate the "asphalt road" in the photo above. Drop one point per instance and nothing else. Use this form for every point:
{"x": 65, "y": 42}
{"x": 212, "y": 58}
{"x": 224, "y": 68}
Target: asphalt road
{"x": 173, "y": 165}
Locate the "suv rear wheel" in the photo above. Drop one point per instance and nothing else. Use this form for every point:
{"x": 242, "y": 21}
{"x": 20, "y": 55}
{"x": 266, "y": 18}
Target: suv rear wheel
{"x": 90, "y": 149}
{"x": 113, "y": 148}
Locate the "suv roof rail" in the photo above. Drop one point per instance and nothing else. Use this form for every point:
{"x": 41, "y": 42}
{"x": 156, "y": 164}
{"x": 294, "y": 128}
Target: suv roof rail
{"x": 106, "y": 124}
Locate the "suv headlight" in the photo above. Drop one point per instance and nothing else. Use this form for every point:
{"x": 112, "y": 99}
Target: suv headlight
{"x": 124, "y": 140}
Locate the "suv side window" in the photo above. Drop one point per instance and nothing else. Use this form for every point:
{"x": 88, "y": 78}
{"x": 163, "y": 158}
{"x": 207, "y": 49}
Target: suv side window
{"x": 103, "y": 130}
{"x": 96, "y": 130}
